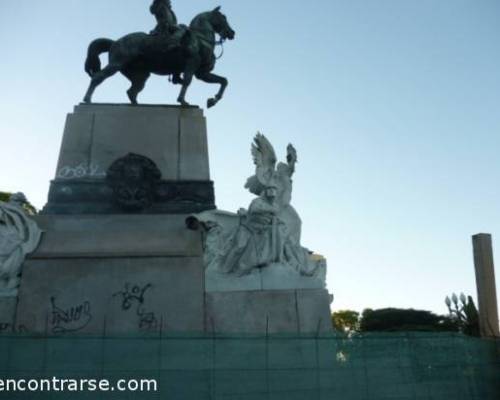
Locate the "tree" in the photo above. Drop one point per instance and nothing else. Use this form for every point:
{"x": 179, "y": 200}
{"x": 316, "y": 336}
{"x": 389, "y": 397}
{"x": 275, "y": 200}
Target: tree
{"x": 345, "y": 320}
{"x": 396, "y": 319}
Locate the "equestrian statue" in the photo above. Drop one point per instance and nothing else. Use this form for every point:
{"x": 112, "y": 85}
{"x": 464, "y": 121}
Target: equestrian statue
{"x": 169, "y": 49}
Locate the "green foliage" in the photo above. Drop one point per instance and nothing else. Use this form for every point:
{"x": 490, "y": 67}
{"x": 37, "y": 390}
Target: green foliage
{"x": 29, "y": 208}
{"x": 396, "y": 319}
{"x": 5, "y": 196}
{"x": 345, "y": 320}
{"x": 463, "y": 312}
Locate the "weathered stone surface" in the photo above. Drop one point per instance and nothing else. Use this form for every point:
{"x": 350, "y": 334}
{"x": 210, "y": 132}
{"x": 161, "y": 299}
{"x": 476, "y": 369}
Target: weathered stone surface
{"x": 271, "y": 277}
{"x": 313, "y": 308}
{"x": 280, "y": 276}
{"x": 7, "y": 313}
{"x": 100, "y": 134}
{"x": 110, "y": 296}
{"x": 216, "y": 281}
{"x": 153, "y": 136}
{"x": 76, "y": 142}
{"x": 276, "y": 311}
{"x": 193, "y": 164}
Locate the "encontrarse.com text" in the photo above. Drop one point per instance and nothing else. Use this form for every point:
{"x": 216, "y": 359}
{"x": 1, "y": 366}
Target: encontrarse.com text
{"x": 78, "y": 385}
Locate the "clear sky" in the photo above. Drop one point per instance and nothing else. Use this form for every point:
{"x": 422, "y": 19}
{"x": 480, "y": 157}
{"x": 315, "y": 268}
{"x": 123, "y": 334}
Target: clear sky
{"x": 393, "y": 106}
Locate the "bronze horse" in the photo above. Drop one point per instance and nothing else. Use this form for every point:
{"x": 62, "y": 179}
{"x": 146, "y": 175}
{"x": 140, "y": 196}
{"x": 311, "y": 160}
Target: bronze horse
{"x": 137, "y": 55}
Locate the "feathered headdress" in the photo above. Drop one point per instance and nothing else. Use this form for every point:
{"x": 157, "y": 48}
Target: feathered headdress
{"x": 265, "y": 161}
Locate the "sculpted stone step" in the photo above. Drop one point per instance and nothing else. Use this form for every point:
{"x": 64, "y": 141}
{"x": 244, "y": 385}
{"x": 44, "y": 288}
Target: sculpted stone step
{"x": 117, "y": 244}
{"x": 116, "y": 236}
{"x": 115, "y": 222}
{"x": 172, "y": 109}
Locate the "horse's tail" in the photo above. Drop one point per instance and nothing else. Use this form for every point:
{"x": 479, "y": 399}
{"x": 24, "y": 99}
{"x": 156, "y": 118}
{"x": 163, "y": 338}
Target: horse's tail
{"x": 97, "y": 47}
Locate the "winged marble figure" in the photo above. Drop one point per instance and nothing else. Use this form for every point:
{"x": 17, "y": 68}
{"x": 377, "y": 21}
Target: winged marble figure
{"x": 267, "y": 174}
{"x": 265, "y": 238}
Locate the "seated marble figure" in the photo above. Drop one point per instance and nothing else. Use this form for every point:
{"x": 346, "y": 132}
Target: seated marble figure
{"x": 266, "y": 236}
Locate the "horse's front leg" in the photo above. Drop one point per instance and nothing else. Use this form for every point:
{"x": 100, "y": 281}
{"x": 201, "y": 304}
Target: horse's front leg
{"x": 209, "y": 77}
{"x": 186, "y": 81}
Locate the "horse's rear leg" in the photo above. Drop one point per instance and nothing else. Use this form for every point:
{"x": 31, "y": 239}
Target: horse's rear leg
{"x": 138, "y": 79}
{"x": 98, "y": 78}
{"x": 186, "y": 81}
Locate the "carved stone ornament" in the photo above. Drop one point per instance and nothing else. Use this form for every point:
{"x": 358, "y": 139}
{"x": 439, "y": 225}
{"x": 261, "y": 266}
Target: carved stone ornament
{"x": 134, "y": 179}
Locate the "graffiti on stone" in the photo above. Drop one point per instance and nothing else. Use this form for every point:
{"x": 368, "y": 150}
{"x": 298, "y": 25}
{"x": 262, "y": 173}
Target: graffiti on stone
{"x": 69, "y": 319}
{"x": 132, "y": 294}
{"x": 82, "y": 170}
{"x": 147, "y": 320}
{"x": 11, "y": 328}
{"x": 133, "y": 297}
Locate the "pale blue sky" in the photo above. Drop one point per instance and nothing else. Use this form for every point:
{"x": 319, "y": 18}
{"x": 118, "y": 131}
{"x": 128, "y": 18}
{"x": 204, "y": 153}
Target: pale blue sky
{"x": 393, "y": 106}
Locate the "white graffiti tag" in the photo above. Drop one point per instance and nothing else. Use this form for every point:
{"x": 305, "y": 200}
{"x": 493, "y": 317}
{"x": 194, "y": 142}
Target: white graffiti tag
{"x": 81, "y": 171}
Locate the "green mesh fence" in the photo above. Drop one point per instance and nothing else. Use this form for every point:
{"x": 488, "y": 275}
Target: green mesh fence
{"x": 375, "y": 366}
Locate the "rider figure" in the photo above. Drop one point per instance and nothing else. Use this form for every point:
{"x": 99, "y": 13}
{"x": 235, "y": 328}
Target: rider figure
{"x": 166, "y": 27}
{"x": 166, "y": 21}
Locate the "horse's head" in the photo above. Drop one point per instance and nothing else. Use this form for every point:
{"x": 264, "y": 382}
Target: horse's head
{"x": 220, "y": 24}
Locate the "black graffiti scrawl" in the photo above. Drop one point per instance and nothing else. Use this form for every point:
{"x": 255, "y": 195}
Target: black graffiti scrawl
{"x": 69, "y": 319}
{"x": 133, "y": 297}
{"x": 132, "y": 294}
{"x": 6, "y": 327}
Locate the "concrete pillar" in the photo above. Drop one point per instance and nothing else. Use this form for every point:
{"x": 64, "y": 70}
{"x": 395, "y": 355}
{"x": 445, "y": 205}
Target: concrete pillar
{"x": 485, "y": 282}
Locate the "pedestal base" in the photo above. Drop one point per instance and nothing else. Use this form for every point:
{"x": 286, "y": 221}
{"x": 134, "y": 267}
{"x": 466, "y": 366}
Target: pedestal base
{"x": 120, "y": 274}
{"x": 7, "y": 313}
{"x": 269, "y": 311}
{"x": 144, "y": 274}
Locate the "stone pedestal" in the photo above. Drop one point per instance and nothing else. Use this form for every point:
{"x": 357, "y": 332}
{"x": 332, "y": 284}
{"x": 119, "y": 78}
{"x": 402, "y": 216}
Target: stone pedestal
{"x": 104, "y": 269}
{"x": 114, "y": 274}
{"x": 174, "y": 138}
{"x": 485, "y": 282}
{"x": 144, "y": 274}
{"x": 272, "y": 311}
{"x": 7, "y": 314}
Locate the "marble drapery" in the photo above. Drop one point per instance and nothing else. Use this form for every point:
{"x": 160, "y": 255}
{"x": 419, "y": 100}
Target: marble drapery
{"x": 19, "y": 236}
